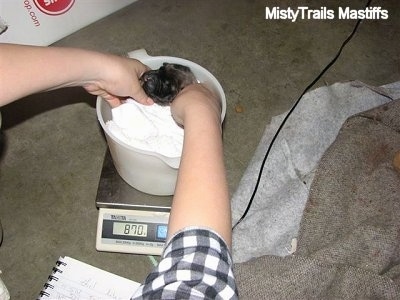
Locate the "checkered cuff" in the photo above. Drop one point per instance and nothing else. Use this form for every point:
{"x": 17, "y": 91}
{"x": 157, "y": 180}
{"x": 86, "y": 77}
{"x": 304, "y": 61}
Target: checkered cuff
{"x": 196, "y": 264}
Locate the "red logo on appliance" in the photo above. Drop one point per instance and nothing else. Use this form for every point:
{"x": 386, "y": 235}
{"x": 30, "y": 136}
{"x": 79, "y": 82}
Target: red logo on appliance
{"x": 54, "y": 7}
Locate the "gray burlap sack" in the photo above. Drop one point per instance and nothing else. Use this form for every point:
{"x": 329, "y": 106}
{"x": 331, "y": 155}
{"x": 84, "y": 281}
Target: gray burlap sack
{"x": 349, "y": 241}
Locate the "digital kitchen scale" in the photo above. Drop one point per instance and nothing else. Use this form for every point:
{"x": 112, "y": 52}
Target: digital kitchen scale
{"x": 129, "y": 221}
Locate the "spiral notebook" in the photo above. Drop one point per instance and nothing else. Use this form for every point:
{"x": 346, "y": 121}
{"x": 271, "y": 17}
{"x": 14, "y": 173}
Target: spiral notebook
{"x": 73, "y": 279}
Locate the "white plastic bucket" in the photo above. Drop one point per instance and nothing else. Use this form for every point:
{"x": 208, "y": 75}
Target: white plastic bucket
{"x": 147, "y": 171}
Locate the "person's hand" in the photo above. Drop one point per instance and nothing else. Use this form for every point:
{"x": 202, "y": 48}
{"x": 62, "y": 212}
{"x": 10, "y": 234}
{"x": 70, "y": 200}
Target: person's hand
{"x": 195, "y": 100}
{"x": 119, "y": 79}
{"x": 110, "y": 76}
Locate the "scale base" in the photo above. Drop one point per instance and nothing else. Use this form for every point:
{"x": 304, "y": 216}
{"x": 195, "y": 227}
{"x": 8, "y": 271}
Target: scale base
{"x": 121, "y": 205}
{"x": 131, "y": 231}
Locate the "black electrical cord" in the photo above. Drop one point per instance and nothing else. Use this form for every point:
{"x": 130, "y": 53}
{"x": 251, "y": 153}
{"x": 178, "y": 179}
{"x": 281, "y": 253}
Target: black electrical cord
{"x": 291, "y": 111}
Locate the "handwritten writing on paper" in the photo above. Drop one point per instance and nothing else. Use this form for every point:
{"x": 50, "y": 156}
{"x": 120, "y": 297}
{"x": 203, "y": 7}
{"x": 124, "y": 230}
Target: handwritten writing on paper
{"x": 76, "y": 280}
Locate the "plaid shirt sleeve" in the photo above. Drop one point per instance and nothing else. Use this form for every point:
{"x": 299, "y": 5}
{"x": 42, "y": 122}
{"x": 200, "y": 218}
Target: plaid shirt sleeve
{"x": 196, "y": 264}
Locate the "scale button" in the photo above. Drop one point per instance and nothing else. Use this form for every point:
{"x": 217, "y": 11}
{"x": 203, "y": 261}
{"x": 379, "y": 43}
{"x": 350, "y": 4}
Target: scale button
{"x": 162, "y": 232}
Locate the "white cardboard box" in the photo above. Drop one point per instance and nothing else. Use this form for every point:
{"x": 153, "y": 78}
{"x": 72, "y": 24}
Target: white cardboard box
{"x": 42, "y": 22}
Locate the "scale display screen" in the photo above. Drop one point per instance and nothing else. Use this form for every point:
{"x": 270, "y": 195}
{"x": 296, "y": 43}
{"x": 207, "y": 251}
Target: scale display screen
{"x": 139, "y": 230}
{"x": 130, "y": 231}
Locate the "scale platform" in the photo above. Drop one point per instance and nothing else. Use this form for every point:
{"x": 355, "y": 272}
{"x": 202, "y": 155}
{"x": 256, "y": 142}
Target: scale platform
{"x": 114, "y": 192}
{"x": 129, "y": 221}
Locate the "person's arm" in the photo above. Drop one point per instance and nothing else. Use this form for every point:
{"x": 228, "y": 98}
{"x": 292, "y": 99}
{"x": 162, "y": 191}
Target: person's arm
{"x": 201, "y": 196}
{"x": 26, "y": 70}
{"x": 199, "y": 229}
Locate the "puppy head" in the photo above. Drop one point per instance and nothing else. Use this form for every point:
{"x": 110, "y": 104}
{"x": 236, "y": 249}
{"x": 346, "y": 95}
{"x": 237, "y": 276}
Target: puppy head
{"x": 164, "y": 84}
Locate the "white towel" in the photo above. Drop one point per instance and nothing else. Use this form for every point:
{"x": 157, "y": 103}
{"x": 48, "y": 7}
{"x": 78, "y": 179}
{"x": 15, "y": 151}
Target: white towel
{"x": 149, "y": 128}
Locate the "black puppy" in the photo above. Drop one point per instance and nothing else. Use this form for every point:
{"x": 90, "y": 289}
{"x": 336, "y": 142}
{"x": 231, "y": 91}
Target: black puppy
{"x": 164, "y": 84}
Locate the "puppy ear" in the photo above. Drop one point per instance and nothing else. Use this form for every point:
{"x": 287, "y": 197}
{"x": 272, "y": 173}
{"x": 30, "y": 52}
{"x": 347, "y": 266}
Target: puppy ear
{"x": 180, "y": 68}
